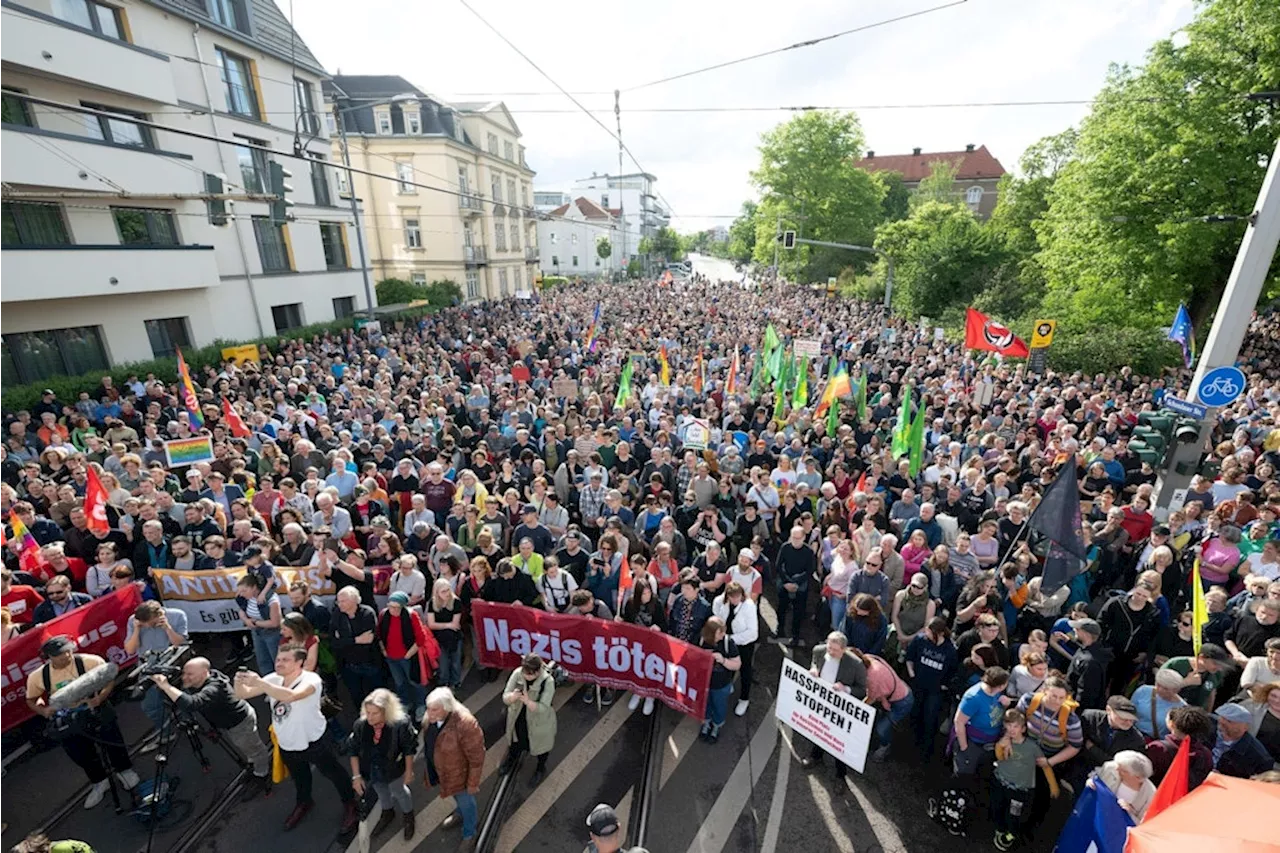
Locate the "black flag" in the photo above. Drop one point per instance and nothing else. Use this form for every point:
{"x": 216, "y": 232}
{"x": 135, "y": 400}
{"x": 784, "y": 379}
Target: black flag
{"x": 1057, "y": 519}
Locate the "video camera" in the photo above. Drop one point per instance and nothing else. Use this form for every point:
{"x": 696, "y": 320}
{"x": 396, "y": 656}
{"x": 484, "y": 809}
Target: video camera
{"x": 167, "y": 662}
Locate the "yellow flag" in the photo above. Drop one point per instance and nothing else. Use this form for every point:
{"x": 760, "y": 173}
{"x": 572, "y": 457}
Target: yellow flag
{"x": 665, "y": 376}
{"x": 1199, "y": 608}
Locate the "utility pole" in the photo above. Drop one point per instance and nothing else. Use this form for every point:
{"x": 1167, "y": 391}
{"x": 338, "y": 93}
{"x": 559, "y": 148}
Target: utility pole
{"x": 1230, "y": 324}
{"x": 622, "y": 206}
{"x": 355, "y": 213}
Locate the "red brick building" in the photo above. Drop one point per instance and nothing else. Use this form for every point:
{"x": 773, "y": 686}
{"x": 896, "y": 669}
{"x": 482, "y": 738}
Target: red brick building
{"x": 977, "y": 172}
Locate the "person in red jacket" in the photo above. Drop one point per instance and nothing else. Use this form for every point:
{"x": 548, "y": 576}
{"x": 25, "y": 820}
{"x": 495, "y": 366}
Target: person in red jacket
{"x": 18, "y": 598}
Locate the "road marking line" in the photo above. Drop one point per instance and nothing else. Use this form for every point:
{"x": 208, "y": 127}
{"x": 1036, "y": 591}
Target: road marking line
{"x": 535, "y": 806}
{"x": 768, "y": 614}
{"x": 679, "y": 742}
{"x": 886, "y": 833}
{"x": 430, "y": 816}
{"x": 623, "y": 811}
{"x": 718, "y": 824}
{"x": 773, "y": 826}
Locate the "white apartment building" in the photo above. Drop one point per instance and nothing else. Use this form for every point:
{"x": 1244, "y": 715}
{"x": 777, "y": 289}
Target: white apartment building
{"x": 570, "y": 234}
{"x": 636, "y": 196}
{"x": 456, "y": 200}
{"x": 111, "y": 254}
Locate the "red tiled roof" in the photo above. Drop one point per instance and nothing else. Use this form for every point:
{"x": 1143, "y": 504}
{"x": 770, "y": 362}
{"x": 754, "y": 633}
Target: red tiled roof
{"x": 970, "y": 165}
{"x": 615, "y": 212}
{"x": 561, "y": 210}
{"x": 590, "y": 209}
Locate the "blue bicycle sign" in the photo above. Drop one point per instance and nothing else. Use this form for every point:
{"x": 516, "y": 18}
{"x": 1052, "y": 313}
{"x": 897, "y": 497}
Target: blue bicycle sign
{"x": 1221, "y": 386}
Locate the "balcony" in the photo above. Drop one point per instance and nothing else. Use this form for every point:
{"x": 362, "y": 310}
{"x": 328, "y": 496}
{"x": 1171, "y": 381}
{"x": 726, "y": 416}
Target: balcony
{"x": 470, "y": 205}
{"x": 71, "y": 272}
{"x": 531, "y": 253}
{"x": 498, "y": 209}
{"x": 48, "y": 45}
{"x": 475, "y": 255}
{"x": 31, "y": 157}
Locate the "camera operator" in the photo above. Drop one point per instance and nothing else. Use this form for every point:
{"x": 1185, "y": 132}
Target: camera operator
{"x": 209, "y": 692}
{"x": 64, "y": 666}
{"x": 153, "y": 628}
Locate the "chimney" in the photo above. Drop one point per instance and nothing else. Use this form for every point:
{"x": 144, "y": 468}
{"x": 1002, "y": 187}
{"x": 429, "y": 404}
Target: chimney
{"x": 969, "y": 148}
{"x": 915, "y": 152}
{"x": 870, "y": 154}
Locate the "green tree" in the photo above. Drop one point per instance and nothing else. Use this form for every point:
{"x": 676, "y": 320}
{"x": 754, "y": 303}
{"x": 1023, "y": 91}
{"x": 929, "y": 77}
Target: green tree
{"x": 397, "y": 291}
{"x": 742, "y": 233}
{"x": 939, "y": 185}
{"x": 663, "y": 244}
{"x": 604, "y": 248}
{"x": 1164, "y": 144}
{"x": 897, "y": 198}
{"x": 806, "y": 168}
{"x": 943, "y": 258}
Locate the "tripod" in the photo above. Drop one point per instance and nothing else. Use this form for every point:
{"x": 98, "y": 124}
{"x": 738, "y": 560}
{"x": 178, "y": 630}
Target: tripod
{"x": 156, "y": 801}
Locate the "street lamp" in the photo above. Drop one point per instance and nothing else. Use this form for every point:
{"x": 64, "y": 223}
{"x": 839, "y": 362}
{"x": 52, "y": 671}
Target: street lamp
{"x": 351, "y": 184}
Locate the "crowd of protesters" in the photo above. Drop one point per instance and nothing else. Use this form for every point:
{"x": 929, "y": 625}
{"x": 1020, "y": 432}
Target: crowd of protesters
{"x": 442, "y": 461}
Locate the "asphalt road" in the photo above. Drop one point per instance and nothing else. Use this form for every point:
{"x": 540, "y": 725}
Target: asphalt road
{"x": 746, "y": 793}
{"x": 714, "y": 268}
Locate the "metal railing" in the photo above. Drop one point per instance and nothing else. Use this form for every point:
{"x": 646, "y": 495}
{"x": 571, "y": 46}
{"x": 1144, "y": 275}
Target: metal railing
{"x": 475, "y": 254}
{"x": 470, "y": 203}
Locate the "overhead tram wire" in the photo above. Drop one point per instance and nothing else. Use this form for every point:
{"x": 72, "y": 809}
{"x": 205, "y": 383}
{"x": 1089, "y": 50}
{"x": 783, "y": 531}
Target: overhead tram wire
{"x": 671, "y": 212}
{"x": 797, "y": 45}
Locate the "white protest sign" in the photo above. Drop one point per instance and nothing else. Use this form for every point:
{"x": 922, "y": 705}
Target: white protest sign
{"x": 697, "y": 435}
{"x": 810, "y": 347}
{"x": 833, "y": 720}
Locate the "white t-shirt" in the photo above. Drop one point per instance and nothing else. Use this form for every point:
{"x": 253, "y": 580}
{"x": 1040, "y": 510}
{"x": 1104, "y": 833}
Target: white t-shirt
{"x": 297, "y": 724}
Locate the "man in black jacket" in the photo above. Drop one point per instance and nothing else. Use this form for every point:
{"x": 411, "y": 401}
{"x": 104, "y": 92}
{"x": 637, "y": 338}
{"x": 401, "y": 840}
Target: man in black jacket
{"x": 1087, "y": 674}
{"x": 209, "y": 692}
{"x": 1109, "y": 731}
{"x": 353, "y": 636}
{"x": 796, "y": 563}
{"x": 510, "y": 586}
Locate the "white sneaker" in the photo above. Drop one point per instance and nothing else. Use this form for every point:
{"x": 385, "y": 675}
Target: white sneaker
{"x": 634, "y": 703}
{"x": 128, "y": 779}
{"x": 742, "y": 707}
{"x": 96, "y": 793}
{"x": 648, "y": 707}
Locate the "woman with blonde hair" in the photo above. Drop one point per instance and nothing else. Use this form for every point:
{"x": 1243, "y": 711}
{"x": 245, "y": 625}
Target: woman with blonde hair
{"x": 381, "y": 748}
{"x": 444, "y": 620}
{"x": 470, "y": 490}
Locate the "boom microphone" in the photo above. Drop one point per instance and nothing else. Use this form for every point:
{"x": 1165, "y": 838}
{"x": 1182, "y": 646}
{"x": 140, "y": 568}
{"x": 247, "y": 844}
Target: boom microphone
{"x": 84, "y": 688}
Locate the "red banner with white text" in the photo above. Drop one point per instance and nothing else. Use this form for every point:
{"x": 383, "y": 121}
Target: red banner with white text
{"x": 98, "y": 629}
{"x": 611, "y": 654}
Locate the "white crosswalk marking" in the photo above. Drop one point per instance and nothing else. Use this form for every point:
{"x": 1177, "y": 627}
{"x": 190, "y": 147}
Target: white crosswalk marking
{"x": 718, "y": 825}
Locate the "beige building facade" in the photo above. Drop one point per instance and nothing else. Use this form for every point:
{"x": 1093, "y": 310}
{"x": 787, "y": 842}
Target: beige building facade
{"x": 457, "y": 199}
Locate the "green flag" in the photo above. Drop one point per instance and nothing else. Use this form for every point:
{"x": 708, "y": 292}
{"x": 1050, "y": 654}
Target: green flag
{"x": 915, "y": 440}
{"x": 773, "y": 362}
{"x": 800, "y": 398}
{"x": 833, "y": 418}
{"x": 757, "y": 376}
{"x": 902, "y": 429}
{"x": 862, "y": 396}
{"x": 770, "y": 338}
{"x": 624, "y": 386}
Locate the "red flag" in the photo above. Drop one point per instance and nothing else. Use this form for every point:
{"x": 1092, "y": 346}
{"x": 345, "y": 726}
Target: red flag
{"x": 234, "y": 422}
{"x": 1175, "y": 783}
{"x": 981, "y": 332}
{"x": 95, "y": 502}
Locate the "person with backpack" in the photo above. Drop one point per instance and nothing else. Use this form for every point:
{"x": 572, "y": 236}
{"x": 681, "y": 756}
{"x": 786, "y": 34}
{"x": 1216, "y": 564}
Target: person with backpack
{"x": 1052, "y": 722}
{"x": 531, "y": 718}
{"x": 556, "y": 586}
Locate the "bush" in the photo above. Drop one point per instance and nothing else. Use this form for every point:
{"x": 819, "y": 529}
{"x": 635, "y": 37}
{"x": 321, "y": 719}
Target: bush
{"x": 550, "y": 281}
{"x": 1104, "y": 349}
{"x": 439, "y": 293}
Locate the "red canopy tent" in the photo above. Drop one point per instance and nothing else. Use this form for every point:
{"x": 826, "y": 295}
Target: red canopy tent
{"x": 1223, "y": 815}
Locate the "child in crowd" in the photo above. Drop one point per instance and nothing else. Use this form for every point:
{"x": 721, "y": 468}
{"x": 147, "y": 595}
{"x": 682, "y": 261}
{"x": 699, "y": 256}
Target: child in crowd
{"x": 1013, "y": 787}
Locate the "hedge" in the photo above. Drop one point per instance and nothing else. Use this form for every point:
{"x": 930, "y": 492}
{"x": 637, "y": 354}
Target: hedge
{"x": 68, "y": 388}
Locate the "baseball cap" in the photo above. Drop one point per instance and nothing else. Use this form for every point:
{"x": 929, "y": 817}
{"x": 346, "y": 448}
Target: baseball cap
{"x": 1089, "y": 626}
{"x": 748, "y": 553}
{"x": 1123, "y": 707}
{"x": 48, "y": 392}
{"x": 603, "y": 821}
{"x": 57, "y": 645}
{"x": 251, "y": 552}
{"x": 919, "y": 580}
{"x": 528, "y": 508}
{"x": 1233, "y": 713}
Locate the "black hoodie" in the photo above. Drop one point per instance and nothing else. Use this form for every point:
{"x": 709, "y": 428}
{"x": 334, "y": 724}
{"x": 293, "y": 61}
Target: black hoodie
{"x": 1087, "y": 675}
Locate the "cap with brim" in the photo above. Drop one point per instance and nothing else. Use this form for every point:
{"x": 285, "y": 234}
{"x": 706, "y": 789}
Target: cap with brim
{"x": 919, "y": 580}
{"x": 1233, "y": 713}
{"x": 528, "y": 508}
{"x": 54, "y": 646}
{"x": 1122, "y": 706}
{"x": 748, "y": 553}
{"x": 1089, "y": 626}
{"x": 603, "y": 821}
{"x": 251, "y": 552}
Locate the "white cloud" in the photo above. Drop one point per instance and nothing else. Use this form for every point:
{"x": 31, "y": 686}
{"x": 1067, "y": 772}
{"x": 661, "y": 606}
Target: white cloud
{"x": 982, "y": 51}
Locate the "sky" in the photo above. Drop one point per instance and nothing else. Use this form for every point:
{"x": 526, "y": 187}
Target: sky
{"x": 979, "y": 51}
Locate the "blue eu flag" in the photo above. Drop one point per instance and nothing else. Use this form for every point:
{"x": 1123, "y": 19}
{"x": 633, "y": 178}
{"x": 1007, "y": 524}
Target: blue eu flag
{"x": 1182, "y": 332}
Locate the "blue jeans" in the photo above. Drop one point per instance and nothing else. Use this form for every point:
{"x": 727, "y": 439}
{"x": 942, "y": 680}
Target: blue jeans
{"x": 838, "y": 608}
{"x": 450, "y": 672}
{"x": 361, "y": 679}
{"x": 153, "y": 705}
{"x": 884, "y": 721}
{"x": 718, "y": 704}
{"x": 466, "y": 805}
{"x": 411, "y": 694}
{"x": 266, "y": 642}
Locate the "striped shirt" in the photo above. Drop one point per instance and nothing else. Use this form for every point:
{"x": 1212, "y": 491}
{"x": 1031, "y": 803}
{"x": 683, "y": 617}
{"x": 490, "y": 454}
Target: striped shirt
{"x": 1043, "y": 728}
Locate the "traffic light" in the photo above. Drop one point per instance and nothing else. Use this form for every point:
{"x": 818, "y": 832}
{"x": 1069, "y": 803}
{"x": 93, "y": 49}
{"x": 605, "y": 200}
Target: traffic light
{"x": 1187, "y": 431}
{"x": 788, "y": 239}
{"x": 281, "y": 203}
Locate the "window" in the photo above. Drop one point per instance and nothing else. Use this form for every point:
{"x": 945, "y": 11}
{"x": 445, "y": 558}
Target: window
{"x": 604, "y": 200}
{"x": 412, "y": 121}
{"x": 418, "y": 278}
{"x": 167, "y": 335}
{"x": 16, "y": 110}
{"x": 973, "y": 195}
{"x": 230, "y": 14}
{"x": 331, "y": 123}
{"x": 335, "y": 246}
{"x": 502, "y": 282}
{"x": 495, "y": 186}
{"x": 140, "y": 226}
{"x": 287, "y": 317}
{"x": 511, "y": 191}
{"x": 468, "y": 236}
{"x": 500, "y": 236}
{"x": 305, "y": 102}
{"x": 524, "y": 194}
{"x": 119, "y": 131}
{"x": 383, "y": 119}
{"x": 573, "y": 238}
{"x": 98, "y": 17}
{"x": 519, "y": 279}
{"x": 515, "y": 236}
{"x": 253, "y": 166}
{"x": 464, "y": 184}
{"x": 555, "y": 260}
{"x": 33, "y": 356}
{"x": 404, "y": 174}
{"x": 412, "y": 234}
{"x": 28, "y": 224}
{"x": 344, "y": 186}
{"x": 320, "y": 181}
{"x": 473, "y": 284}
{"x": 238, "y": 84}
{"x": 493, "y": 144}
{"x": 508, "y": 152}
{"x": 273, "y": 245}
{"x": 553, "y": 238}
{"x": 575, "y": 260}
{"x": 343, "y": 307}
